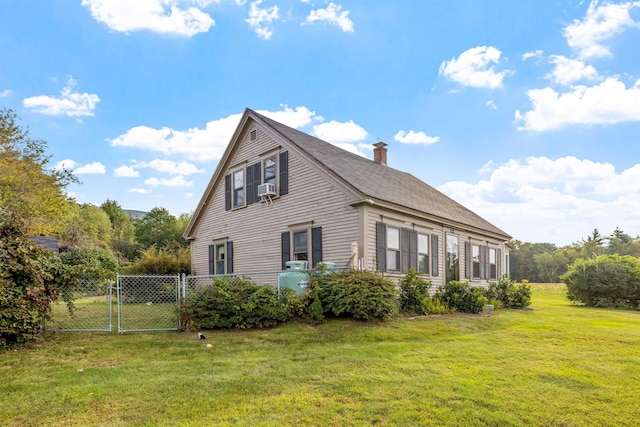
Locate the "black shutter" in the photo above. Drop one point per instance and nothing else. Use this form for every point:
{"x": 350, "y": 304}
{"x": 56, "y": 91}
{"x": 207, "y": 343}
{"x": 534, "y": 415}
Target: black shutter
{"x": 227, "y": 192}
{"x": 498, "y": 263}
{"x": 229, "y": 257}
{"x": 212, "y": 259}
{"x": 284, "y": 172}
{"x": 286, "y": 249}
{"x": 249, "y": 185}
{"x": 434, "y": 255}
{"x": 381, "y": 246}
{"x": 404, "y": 250}
{"x": 257, "y": 180}
{"x": 467, "y": 260}
{"x": 316, "y": 246}
{"x": 413, "y": 249}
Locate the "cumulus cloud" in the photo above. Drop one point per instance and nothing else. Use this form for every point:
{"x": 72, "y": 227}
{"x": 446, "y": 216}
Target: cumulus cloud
{"x": 5, "y": 93}
{"x": 139, "y": 190}
{"x": 260, "y": 19}
{"x": 95, "y": 168}
{"x": 171, "y": 167}
{"x": 491, "y": 104}
{"x": 177, "y": 181}
{"x": 610, "y": 102}
{"x": 413, "y": 137}
{"x": 180, "y": 17}
{"x": 339, "y": 132}
{"x": 65, "y": 164}
{"x": 69, "y": 103}
{"x": 332, "y": 15}
{"x": 126, "y": 172}
{"x": 538, "y": 199}
{"x": 601, "y": 23}
{"x": 293, "y": 117}
{"x": 567, "y": 71}
{"x": 475, "y": 68}
{"x": 533, "y": 54}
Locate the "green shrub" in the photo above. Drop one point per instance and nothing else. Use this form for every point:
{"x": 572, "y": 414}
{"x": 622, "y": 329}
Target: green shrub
{"x": 361, "y": 294}
{"x": 234, "y": 302}
{"x": 413, "y": 290}
{"x": 433, "y": 305}
{"x": 509, "y": 294}
{"x": 462, "y": 297}
{"x": 606, "y": 281}
{"x": 31, "y": 279}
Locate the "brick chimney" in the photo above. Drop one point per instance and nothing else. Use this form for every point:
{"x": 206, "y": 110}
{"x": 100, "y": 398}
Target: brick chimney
{"x": 380, "y": 153}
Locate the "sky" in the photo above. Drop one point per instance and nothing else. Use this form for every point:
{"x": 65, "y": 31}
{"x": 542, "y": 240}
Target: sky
{"x": 527, "y": 112}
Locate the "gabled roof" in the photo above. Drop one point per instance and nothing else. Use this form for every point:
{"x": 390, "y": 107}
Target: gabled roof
{"x": 369, "y": 179}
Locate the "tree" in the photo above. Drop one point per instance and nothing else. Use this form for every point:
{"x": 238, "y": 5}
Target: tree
{"x": 551, "y": 265}
{"x": 157, "y": 228}
{"x": 28, "y": 188}
{"x": 86, "y": 225}
{"x": 122, "y": 230}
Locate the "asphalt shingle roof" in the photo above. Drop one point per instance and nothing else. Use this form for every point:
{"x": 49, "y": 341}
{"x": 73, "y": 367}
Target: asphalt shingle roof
{"x": 380, "y": 181}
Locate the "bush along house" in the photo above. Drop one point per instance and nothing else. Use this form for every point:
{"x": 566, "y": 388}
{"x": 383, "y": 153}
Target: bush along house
{"x": 280, "y": 195}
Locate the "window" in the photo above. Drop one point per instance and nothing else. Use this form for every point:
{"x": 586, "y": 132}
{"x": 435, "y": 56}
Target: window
{"x": 238, "y": 188}
{"x": 221, "y": 258}
{"x": 423, "y": 253}
{"x": 254, "y": 135}
{"x": 493, "y": 271}
{"x": 476, "y": 260}
{"x": 300, "y": 246}
{"x": 393, "y": 249}
{"x": 452, "y": 261}
{"x": 269, "y": 170}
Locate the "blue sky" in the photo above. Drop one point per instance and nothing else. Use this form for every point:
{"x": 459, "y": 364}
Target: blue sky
{"x": 527, "y": 112}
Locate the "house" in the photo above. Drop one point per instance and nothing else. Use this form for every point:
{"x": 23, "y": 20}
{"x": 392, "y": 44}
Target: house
{"x": 279, "y": 194}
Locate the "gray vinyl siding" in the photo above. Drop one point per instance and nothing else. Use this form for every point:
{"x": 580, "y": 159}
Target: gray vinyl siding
{"x": 373, "y": 214}
{"x": 256, "y": 228}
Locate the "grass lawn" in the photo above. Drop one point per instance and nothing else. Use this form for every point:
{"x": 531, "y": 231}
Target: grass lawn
{"x": 554, "y": 364}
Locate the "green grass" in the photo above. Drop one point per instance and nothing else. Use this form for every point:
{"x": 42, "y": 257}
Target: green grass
{"x": 553, "y": 364}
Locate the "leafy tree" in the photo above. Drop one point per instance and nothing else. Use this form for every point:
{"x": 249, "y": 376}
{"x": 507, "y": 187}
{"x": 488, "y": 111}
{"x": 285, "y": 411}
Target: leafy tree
{"x": 167, "y": 260}
{"x": 158, "y": 228}
{"x": 122, "y": 230}
{"x": 550, "y": 265}
{"x": 86, "y": 225}
{"x": 31, "y": 279}
{"x": 522, "y": 260}
{"x": 28, "y": 188}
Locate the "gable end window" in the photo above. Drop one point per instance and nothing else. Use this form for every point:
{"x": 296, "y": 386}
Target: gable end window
{"x": 253, "y": 135}
{"x": 221, "y": 258}
{"x": 302, "y": 245}
{"x": 238, "y": 188}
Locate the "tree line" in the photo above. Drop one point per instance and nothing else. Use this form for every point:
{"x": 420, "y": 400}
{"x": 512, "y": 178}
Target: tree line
{"x": 546, "y": 263}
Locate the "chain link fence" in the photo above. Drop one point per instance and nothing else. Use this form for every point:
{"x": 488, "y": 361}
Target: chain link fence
{"x": 148, "y": 303}
{"x": 91, "y": 311}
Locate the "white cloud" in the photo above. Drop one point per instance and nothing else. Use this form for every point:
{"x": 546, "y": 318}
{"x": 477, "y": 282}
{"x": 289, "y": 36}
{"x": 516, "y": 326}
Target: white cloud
{"x": 331, "y": 15}
{"x": 126, "y": 172}
{"x": 5, "y": 93}
{"x": 601, "y": 23}
{"x": 181, "y": 17}
{"x": 69, "y": 103}
{"x": 95, "y": 168}
{"x": 177, "y": 181}
{"x": 568, "y": 71}
{"x": 197, "y": 144}
{"x": 543, "y": 200}
{"x": 171, "y": 167}
{"x": 260, "y": 19}
{"x": 475, "y": 68}
{"x": 534, "y": 54}
{"x": 338, "y": 132}
{"x": 139, "y": 190}
{"x": 293, "y": 117}
{"x": 491, "y": 104}
{"x": 610, "y": 102}
{"x": 413, "y": 137}
{"x": 65, "y": 164}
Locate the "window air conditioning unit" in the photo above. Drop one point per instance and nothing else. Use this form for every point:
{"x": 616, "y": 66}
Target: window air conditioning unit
{"x": 266, "y": 190}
